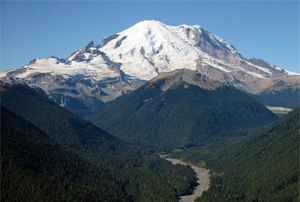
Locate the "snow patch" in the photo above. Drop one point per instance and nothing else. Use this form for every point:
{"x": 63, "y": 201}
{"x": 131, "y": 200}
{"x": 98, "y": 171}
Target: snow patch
{"x": 258, "y": 67}
{"x": 290, "y": 73}
{"x": 3, "y": 74}
{"x": 210, "y": 63}
{"x": 97, "y": 69}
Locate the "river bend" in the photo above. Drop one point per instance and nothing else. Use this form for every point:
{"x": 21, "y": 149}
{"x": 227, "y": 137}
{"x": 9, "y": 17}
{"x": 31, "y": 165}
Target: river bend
{"x": 203, "y": 181}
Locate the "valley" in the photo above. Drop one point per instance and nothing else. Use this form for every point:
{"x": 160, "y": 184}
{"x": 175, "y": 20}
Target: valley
{"x": 131, "y": 167}
{"x": 279, "y": 111}
{"x": 89, "y": 127}
{"x": 131, "y": 161}
{"x": 55, "y": 156}
{"x": 263, "y": 167}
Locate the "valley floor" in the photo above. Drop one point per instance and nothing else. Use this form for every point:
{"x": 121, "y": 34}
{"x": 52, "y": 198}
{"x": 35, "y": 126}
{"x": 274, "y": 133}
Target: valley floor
{"x": 203, "y": 181}
{"x": 279, "y": 110}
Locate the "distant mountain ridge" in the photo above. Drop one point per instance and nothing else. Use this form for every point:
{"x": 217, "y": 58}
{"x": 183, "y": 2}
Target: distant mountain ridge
{"x": 284, "y": 92}
{"x": 123, "y": 62}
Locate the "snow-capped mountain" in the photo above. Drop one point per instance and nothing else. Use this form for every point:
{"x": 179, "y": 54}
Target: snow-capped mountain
{"x": 124, "y": 61}
{"x": 151, "y": 47}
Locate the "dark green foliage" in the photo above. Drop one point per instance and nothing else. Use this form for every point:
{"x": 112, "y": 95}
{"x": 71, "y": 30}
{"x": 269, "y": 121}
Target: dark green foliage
{"x": 183, "y": 116}
{"x": 263, "y": 167}
{"x": 58, "y": 123}
{"x": 80, "y": 106}
{"x": 64, "y": 158}
{"x": 35, "y": 168}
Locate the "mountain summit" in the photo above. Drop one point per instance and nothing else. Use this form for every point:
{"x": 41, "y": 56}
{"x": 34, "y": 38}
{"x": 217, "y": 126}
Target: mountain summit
{"x": 124, "y": 61}
{"x": 151, "y": 47}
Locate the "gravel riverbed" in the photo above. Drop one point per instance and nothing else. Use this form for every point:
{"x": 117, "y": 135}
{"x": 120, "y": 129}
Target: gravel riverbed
{"x": 203, "y": 181}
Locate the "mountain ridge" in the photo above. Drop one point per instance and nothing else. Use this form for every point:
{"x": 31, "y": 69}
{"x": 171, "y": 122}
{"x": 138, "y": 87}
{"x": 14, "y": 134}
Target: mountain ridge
{"x": 166, "y": 107}
{"x": 190, "y": 77}
{"x": 124, "y": 61}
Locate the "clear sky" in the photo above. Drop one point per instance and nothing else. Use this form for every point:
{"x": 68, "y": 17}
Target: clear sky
{"x": 39, "y": 29}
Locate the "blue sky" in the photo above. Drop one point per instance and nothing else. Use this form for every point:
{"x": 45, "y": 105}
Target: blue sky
{"x": 258, "y": 29}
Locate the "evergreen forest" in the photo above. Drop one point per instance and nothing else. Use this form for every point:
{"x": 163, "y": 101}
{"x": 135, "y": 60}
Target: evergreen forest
{"x": 183, "y": 116}
{"x": 262, "y": 167}
{"x": 49, "y": 154}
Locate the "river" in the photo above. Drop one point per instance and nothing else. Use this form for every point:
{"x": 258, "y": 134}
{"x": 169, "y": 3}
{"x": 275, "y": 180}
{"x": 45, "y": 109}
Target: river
{"x": 203, "y": 181}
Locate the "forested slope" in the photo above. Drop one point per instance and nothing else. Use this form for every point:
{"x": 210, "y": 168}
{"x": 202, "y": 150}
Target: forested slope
{"x": 92, "y": 156}
{"x": 35, "y": 168}
{"x": 263, "y": 167}
{"x": 182, "y": 110}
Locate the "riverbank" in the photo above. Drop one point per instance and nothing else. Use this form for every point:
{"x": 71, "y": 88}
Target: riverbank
{"x": 203, "y": 181}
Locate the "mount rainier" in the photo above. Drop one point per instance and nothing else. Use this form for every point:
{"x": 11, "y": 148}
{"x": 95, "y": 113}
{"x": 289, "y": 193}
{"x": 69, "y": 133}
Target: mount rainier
{"x": 123, "y": 62}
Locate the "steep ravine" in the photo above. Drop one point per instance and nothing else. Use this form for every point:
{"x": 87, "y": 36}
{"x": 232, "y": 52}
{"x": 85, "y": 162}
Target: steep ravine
{"x": 203, "y": 181}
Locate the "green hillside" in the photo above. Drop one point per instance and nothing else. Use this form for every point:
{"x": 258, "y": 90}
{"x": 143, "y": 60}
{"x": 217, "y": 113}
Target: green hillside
{"x": 58, "y": 123}
{"x": 182, "y": 116}
{"x": 263, "y": 167}
{"x": 94, "y": 157}
{"x": 35, "y": 168}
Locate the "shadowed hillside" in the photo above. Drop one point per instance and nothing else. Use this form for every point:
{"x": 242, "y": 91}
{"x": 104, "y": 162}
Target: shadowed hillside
{"x": 61, "y": 154}
{"x": 182, "y": 109}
